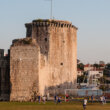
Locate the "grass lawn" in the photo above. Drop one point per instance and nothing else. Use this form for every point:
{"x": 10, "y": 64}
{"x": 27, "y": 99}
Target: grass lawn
{"x": 51, "y": 106}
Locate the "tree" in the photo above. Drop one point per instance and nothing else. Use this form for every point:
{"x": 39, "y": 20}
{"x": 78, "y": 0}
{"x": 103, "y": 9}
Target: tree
{"x": 96, "y": 65}
{"x": 104, "y": 87}
{"x": 80, "y": 66}
{"x": 107, "y": 70}
{"x": 107, "y": 66}
{"x": 82, "y": 78}
{"x": 103, "y": 83}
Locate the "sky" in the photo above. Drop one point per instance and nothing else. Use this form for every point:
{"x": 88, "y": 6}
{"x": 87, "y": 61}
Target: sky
{"x": 92, "y": 17}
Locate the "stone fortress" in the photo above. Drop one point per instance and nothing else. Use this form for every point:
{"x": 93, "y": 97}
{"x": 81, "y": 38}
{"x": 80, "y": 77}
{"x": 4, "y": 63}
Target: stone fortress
{"x": 45, "y": 62}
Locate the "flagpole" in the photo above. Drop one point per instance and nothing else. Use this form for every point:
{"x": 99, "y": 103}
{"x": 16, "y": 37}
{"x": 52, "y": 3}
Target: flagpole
{"x": 51, "y": 8}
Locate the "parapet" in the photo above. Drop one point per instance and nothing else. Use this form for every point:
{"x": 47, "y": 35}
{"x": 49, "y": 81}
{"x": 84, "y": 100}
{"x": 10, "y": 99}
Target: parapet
{"x": 24, "y": 41}
{"x": 50, "y": 22}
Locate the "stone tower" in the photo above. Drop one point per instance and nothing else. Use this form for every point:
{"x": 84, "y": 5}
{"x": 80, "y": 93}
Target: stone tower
{"x": 45, "y": 62}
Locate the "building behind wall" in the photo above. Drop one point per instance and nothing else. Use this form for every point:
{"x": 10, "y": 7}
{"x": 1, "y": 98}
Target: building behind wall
{"x": 45, "y": 62}
{"x": 4, "y": 76}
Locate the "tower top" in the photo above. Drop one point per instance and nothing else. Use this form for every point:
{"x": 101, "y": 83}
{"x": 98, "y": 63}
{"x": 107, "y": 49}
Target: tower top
{"x": 50, "y": 22}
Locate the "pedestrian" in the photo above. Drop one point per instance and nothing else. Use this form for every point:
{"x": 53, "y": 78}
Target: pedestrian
{"x": 92, "y": 98}
{"x": 67, "y": 97}
{"x": 101, "y": 99}
{"x": 39, "y": 98}
{"x": 58, "y": 100}
{"x": 47, "y": 97}
{"x": 44, "y": 99}
{"x": 55, "y": 98}
{"x": 84, "y": 103}
{"x": 104, "y": 100}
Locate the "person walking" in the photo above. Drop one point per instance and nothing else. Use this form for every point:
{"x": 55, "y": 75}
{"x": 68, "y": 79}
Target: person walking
{"x": 58, "y": 100}
{"x": 44, "y": 99}
{"x": 55, "y": 98}
{"x": 39, "y": 98}
{"x": 92, "y": 98}
{"x": 104, "y": 99}
{"x": 84, "y": 103}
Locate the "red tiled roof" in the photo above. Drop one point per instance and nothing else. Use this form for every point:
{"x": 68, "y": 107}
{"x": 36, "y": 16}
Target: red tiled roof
{"x": 102, "y": 65}
{"x": 87, "y": 65}
{"x": 79, "y": 69}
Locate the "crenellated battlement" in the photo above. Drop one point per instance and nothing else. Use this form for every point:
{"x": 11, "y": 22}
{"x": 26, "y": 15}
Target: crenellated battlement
{"x": 48, "y": 22}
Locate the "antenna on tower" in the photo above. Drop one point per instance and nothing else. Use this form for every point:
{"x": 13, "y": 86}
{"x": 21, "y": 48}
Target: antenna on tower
{"x": 51, "y": 9}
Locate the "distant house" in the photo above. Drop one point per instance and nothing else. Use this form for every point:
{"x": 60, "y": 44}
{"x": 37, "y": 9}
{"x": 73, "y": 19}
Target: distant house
{"x": 88, "y": 67}
{"x": 94, "y": 75}
{"x": 102, "y": 66}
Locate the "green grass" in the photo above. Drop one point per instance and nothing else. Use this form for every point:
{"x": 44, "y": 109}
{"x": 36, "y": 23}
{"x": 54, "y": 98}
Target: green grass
{"x": 51, "y": 106}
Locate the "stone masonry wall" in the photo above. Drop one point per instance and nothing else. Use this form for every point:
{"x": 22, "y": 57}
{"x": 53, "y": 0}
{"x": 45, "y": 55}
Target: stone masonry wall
{"x": 24, "y": 72}
{"x": 62, "y": 58}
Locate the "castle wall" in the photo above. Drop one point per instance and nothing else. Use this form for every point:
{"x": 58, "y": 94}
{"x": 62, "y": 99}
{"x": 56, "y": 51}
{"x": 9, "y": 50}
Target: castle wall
{"x": 4, "y": 76}
{"x": 24, "y": 72}
{"x": 62, "y": 58}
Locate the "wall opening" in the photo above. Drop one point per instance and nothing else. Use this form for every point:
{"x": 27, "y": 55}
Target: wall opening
{"x": 61, "y": 64}
{"x": 45, "y": 39}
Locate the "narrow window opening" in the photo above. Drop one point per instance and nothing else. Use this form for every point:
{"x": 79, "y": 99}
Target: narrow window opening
{"x": 61, "y": 63}
{"x": 45, "y": 39}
